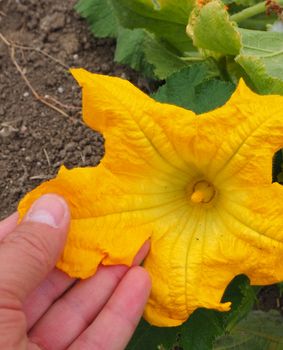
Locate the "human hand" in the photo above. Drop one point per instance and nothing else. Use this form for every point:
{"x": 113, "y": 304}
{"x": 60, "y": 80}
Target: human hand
{"x": 43, "y": 308}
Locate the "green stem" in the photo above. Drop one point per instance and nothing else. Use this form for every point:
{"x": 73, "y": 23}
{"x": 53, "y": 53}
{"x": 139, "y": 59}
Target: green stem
{"x": 192, "y": 58}
{"x": 251, "y": 11}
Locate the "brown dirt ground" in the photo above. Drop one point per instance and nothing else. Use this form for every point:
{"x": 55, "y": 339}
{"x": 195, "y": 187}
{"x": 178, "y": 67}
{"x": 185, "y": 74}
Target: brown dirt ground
{"x": 36, "y": 140}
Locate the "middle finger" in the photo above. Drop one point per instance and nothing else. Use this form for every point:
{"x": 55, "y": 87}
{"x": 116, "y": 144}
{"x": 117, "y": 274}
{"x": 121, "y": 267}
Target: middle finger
{"x": 72, "y": 314}
{"x": 56, "y": 284}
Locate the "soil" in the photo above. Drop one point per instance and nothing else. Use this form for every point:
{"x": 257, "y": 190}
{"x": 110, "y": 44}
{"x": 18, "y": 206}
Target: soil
{"x": 35, "y": 140}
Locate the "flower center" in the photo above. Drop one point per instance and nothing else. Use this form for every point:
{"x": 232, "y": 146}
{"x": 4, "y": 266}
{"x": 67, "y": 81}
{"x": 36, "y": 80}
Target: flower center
{"x": 203, "y": 192}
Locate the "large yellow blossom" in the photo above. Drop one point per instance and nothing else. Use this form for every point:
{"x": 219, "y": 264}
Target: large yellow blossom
{"x": 199, "y": 186}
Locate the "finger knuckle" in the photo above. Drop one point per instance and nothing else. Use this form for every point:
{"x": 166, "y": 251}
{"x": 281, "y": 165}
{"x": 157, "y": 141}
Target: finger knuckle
{"x": 33, "y": 245}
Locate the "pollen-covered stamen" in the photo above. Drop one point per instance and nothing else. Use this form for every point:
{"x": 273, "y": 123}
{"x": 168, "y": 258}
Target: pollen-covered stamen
{"x": 203, "y": 192}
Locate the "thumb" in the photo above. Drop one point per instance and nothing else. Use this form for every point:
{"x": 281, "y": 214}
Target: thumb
{"x": 29, "y": 252}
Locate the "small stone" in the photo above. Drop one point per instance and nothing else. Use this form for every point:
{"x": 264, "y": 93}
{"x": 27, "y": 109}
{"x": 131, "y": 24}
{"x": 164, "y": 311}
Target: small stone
{"x": 62, "y": 153}
{"x": 88, "y": 150}
{"x": 23, "y": 129}
{"x": 26, "y": 94}
{"x": 105, "y": 68}
{"x": 71, "y": 146}
{"x": 56, "y": 143}
{"x": 7, "y": 131}
{"x": 70, "y": 43}
{"x": 28, "y": 159}
{"x": 50, "y": 80}
{"x": 38, "y": 64}
{"x": 52, "y": 22}
{"x": 53, "y": 37}
{"x": 32, "y": 23}
{"x": 60, "y": 89}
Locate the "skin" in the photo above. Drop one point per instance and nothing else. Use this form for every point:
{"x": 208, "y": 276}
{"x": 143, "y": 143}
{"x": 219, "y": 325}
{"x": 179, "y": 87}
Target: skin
{"x": 43, "y": 308}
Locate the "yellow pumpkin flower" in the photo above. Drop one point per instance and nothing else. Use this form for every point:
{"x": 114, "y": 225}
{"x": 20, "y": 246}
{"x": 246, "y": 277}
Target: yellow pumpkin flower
{"x": 200, "y": 187}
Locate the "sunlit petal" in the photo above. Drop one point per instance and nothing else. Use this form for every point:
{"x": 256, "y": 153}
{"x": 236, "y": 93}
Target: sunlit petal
{"x": 198, "y": 186}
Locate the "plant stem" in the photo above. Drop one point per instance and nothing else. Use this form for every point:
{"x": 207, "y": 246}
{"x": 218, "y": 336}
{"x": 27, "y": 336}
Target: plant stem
{"x": 251, "y": 11}
{"x": 192, "y": 58}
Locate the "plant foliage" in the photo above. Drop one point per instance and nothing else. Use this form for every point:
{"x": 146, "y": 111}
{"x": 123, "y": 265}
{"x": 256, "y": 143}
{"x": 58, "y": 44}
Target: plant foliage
{"x": 259, "y": 330}
{"x": 159, "y": 38}
{"x": 202, "y": 328}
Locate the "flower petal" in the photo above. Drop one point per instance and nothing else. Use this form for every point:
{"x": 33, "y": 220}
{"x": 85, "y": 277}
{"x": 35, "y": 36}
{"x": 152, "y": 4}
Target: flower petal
{"x": 251, "y": 129}
{"x": 111, "y": 215}
{"x": 256, "y": 214}
{"x": 185, "y": 268}
{"x": 242, "y": 135}
{"x": 135, "y": 143}
{"x": 157, "y": 157}
{"x": 207, "y": 247}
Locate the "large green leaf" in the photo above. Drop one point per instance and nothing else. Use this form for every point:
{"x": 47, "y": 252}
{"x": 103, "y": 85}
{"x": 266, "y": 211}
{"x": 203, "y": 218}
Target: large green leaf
{"x": 195, "y": 88}
{"x": 261, "y": 56}
{"x": 277, "y": 173}
{"x": 203, "y": 326}
{"x": 199, "y": 332}
{"x": 167, "y": 19}
{"x": 210, "y": 29}
{"x": 259, "y": 331}
{"x": 164, "y": 60}
{"x": 142, "y": 51}
{"x": 258, "y": 54}
{"x": 151, "y": 35}
{"x": 100, "y": 15}
{"x": 153, "y": 338}
{"x": 130, "y": 50}
{"x": 242, "y": 295}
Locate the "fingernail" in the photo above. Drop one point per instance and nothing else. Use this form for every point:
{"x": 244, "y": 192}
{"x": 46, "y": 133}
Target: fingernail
{"x": 49, "y": 209}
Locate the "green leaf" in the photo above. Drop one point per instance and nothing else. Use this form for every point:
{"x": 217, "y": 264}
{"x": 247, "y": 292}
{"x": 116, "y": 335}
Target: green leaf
{"x": 142, "y": 51}
{"x": 100, "y": 15}
{"x": 242, "y": 296}
{"x": 246, "y": 3}
{"x": 191, "y": 335}
{"x": 258, "y": 53}
{"x": 204, "y": 326}
{"x": 199, "y": 332}
{"x": 157, "y": 36}
{"x": 195, "y": 88}
{"x": 153, "y": 338}
{"x": 261, "y": 57}
{"x": 259, "y": 331}
{"x": 167, "y": 19}
{"x": 130, "y": 50}
{"x": 210, "y": 29}
{"x": 277, "y": 170}
{"x": 165, "y": 61}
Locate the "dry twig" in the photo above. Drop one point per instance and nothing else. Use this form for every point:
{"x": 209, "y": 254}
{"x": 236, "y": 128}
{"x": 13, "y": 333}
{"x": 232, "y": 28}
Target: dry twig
{"x": 41, "y": 177}
{"x": 47, "y": 97}
{"x": 47, "y": 157}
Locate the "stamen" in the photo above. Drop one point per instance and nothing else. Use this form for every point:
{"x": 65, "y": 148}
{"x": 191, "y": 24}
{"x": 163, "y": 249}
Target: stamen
{"x": 197, "y": 197}
{"x": 203, "y": 192}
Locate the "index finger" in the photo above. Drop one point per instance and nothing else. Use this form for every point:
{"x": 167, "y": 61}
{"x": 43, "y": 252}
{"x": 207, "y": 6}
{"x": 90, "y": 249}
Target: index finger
{"x": 8, "y": 225}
